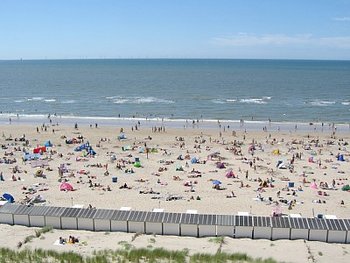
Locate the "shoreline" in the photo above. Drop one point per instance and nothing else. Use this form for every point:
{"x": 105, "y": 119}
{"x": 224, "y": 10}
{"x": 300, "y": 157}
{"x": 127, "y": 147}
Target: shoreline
{"x": 238, "y": 125}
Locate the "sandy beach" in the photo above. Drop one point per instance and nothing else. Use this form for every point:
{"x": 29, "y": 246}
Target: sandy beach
{"x": 213, "y": 171}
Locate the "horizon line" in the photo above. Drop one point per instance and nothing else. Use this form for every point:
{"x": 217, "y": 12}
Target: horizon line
{"x": 174, "y": 58}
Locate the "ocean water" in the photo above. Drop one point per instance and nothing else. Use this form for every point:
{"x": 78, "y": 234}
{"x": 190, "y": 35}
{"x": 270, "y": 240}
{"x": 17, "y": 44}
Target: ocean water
{"x": 255, "y": 90}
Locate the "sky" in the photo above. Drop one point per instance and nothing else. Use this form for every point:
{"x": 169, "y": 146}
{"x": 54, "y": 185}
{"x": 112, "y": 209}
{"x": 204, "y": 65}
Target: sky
{"x": 249, "y": 29}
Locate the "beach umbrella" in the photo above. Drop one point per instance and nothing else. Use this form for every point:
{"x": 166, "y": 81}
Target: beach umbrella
{"x": 9, "y": 198}
{"x": 66, "y": 187}
{"x": 216, "y": 182}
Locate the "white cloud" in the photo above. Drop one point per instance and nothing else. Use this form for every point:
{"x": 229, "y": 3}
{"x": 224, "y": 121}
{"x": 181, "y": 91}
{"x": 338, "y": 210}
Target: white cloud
{"x": 243, "y": 39}
{"x": 342, "y": 19}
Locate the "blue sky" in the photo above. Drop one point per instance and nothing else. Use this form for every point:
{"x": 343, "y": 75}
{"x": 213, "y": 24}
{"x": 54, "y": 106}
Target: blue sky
{"x": 292, "y": 29}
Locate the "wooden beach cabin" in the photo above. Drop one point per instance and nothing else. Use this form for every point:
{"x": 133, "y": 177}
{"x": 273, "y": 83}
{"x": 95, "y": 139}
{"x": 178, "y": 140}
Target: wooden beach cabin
{"x": 225, "y": 225}
{"x": 207, "y": 225}
{"x": 280, "y": 228}
{"x": 336, "y": 231}
{"x": 136, "y": 221}
{"x": 262, "y": 227}
{"x": 6, "y": 213}
{"x": 171, "y": 224}
{"x": 37, "y": 216}
{"x": 154, "y": 223}
{"x": 189, "y": 225}
{"x": 318, "y": 229}
{"x": 21, "y": 215}
{"x": 102, "y": 219}
{"x": 86, "y": 219}
{"x": 347, "y": 225}
{"x": 53, "y": 217}
{"x": 243, "y": 226}
{"x": 119, "y": 221}
{"x": 299, "y": 228}
{"x": 69, "y": 218}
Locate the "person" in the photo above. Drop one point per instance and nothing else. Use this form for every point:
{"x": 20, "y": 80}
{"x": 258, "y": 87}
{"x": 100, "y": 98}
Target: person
{"x": 62, "y": 241}
{"x": 2, "y": 177}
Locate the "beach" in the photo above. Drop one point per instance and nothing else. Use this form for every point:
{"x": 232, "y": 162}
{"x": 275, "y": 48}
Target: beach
{"x": 211, "y": 170}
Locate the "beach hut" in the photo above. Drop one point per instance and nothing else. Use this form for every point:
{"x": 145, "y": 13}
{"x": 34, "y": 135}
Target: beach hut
{"x": 225, "y": 225}
{"x": 102, "y": 219}
{"x": 207, "y": 225}
{"x": 136, "y": 221}
{"x": 336, "y": 231}
{"x": 6, "y": 213}
{"x": 318, "y": 229}
{"x": 262, "y": 227}
{"x": 119, "y": 220}
{"x": 171, "y": 224}
{"x": 299, "y": 228}
{"x": 69, "y": 218}
{"x": 37, "y": 216}
{"x": 189, "y": 225}
{"x": 154, "y": 223}
{"x": 21, "y": 215}
{"x": 347, "y": 226}
{"x": 53, "y": 217}
{"x": 86, "y": 219}
{"x": 280, "y": 228}
{"x": 243, "y": 226}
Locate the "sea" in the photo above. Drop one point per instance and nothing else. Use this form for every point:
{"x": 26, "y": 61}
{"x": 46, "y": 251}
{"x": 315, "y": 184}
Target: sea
{"x": 176, "y": 90}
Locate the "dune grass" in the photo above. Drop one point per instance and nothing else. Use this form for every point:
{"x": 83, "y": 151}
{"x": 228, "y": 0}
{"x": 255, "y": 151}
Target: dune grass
{"x": 123, "y": 255}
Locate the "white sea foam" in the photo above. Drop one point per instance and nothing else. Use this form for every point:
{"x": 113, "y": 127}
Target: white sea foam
{"x": 253, "y": 101}
{"x": 218, "y": 101}
{"x": 50, "y": 100}
{"x": 346, "y": 103}
{"x": 120, "y": 101}
{"x": 18, "y": 101}
{"x": 35, "y": 99}
{"x": 68, "y": 101}
{"x": 140, "y": 100}
{"x": 322, "y": 103}
{"x": 223, "y": 101}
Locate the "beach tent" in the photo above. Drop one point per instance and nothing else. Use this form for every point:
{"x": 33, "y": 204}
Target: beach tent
{"x": 66, "y": 187}
{"x": 30, "y": 157}
{"x": 40, "y": 149}
{"x": 48, "y": 144}
{"x": 313, "y": 185}
{"x": 230, "y": 174}
{"x": 122, "y": 136}
{"x": 281, "y": 165}
{"x": 8, "y": 197}
{"x": 137, "y": 164}
{"x": 346, "y": 188}
{"x": 220, "y": 165}
{"x": 341, "y": 158}
{"x": 194, "y": 160}
{"x": 141, "y": 150}
{"x": 179, "y": 168}
{"x": 216, "y": 182}
{"x": 276, "y": 152}
{"x": 81, "y": 147}
{"x": 276, "y": 210}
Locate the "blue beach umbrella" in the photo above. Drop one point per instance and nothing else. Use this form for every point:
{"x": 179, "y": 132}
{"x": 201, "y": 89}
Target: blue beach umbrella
{"x": 216, "y": 182}
{"x": 8, "y": 197}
